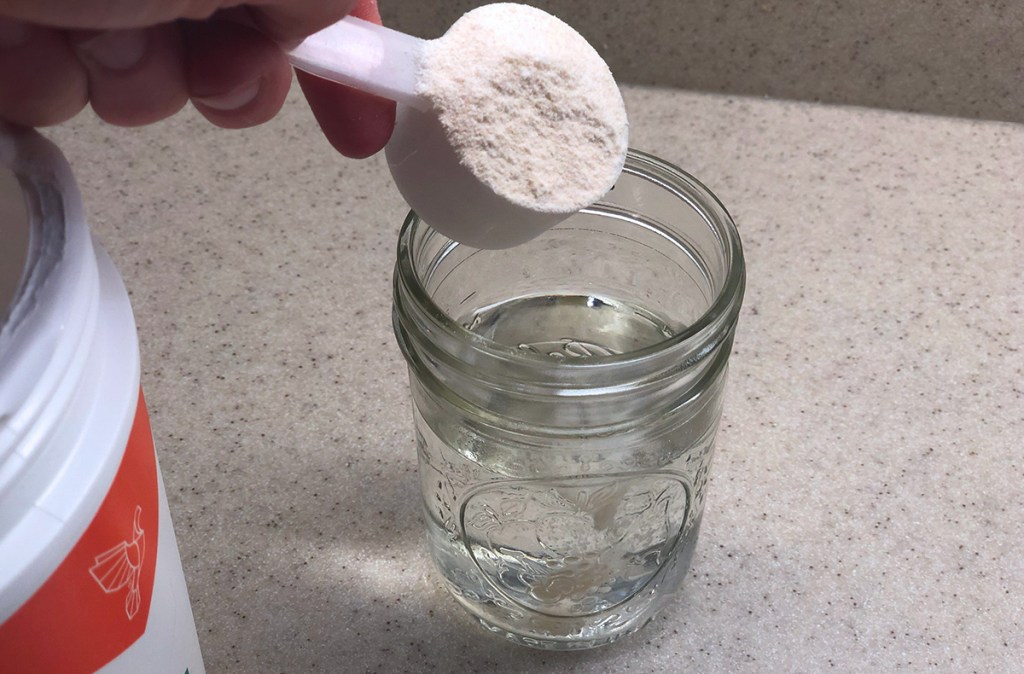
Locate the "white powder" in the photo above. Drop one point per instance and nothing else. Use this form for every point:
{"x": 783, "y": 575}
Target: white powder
{"x": 529, "y": 106}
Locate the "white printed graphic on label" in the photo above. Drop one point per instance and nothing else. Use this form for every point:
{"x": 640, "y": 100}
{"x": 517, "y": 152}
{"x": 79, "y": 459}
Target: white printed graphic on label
{"x": 121, "y": 566}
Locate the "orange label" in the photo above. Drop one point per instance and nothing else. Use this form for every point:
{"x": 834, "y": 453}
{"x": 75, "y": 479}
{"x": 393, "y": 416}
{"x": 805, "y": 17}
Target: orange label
{"x": 96, "y": 603}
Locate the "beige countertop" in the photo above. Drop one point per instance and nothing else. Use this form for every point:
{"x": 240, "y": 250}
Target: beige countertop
{"x": 866, "y": 505}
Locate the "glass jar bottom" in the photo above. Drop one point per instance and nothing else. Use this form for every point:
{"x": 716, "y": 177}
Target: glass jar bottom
{"x": 503, "y": 615}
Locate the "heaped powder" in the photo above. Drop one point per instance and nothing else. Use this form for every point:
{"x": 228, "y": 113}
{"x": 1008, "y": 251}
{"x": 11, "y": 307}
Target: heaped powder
{"x": 529, "y": 106}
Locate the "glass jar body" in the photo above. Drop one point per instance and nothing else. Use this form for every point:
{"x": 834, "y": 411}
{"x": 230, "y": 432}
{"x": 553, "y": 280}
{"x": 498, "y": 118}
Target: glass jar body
{"x": 566, "y": 396}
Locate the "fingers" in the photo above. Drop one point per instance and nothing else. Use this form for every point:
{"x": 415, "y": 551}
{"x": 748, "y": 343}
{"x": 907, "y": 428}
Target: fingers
{"x": 357, "y": 124}
{"x": 236, "y": 76}
{"x": 135, "y": 76}
{"x": 41, "y": 81}
{"x": 111, "y": 14}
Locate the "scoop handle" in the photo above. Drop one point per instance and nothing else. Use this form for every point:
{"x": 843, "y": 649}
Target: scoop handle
{"x": 363, "y": 55}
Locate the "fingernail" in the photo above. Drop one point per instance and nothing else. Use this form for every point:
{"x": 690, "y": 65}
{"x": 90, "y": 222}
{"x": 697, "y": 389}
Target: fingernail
{"x": 13, "y": 33}
{"x": 116, "y": 49}
{"x": 234, "y": 99}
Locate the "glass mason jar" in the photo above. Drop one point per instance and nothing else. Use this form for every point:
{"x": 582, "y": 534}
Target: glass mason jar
{"x": 566, "y": 395}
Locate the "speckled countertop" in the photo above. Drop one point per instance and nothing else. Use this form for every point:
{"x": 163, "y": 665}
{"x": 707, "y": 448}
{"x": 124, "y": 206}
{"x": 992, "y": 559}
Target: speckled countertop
{"x": 866, "y": 508}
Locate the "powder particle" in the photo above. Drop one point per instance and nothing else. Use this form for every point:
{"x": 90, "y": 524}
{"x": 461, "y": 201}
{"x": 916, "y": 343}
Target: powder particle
{"x": 529, "y": 106}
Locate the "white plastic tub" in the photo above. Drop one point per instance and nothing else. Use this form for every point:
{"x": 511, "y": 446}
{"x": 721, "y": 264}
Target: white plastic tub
{"x": 90, "y": 577}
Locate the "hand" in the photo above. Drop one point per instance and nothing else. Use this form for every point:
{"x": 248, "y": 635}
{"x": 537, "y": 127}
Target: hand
{"x": 139, "y": 61}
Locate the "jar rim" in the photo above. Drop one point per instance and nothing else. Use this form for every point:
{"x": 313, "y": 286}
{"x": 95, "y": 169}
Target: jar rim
{"x": 696, "y": 337}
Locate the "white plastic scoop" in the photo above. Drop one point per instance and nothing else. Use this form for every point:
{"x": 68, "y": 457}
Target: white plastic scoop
{"x": 366, "y": 56}
{"x": 425, "y": 167}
